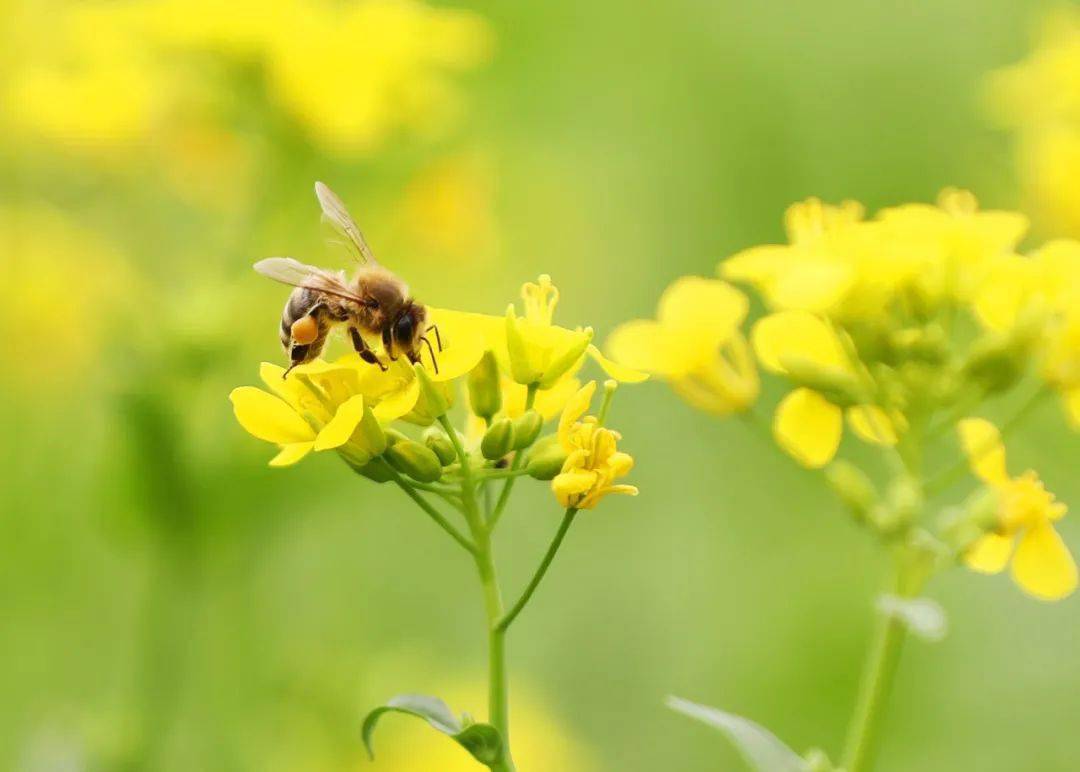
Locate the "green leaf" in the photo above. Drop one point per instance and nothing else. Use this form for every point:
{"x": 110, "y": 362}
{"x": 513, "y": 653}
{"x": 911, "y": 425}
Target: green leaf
{"x": 481, "y": 740}
{"x": 759, "y": 747}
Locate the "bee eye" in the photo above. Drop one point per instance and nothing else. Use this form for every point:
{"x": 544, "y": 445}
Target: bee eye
{"x": 403, "y": 329}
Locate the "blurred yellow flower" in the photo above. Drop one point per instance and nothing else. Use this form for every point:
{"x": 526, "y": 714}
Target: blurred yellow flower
{"x": 1041, "y": 563}
{"x": 695, "y": 344}
{"x": 593, "y": 461}
{"x": 809, "y": 421}
{"x": 840, "y": 265}
{"x": 121, "y": 76}
{"x": 1039, "y": 100}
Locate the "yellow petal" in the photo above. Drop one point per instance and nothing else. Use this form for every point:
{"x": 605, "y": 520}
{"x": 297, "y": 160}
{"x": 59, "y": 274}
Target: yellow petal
{"x": 815, "y": 284}
{"x": 614, "y": 369}
{"x": 699, "y": 306}
{"x": 398, "y": 402}
{"x": 872, "y": 424}
{"x": 575, "y": 408}
{"x": 797, "y": 334}
{"x": 647, "y": 345}
{"x": 989, "y": 554}
{"x": 342, "y": 425}
{"x": 465, "y": 337}
{"x": 982, "y": 444}
{"x": 292, "y": 453}
{"x": 269, "y": 418}
{"x": 808, "y": 427}
{"x": 1043, "y": 566}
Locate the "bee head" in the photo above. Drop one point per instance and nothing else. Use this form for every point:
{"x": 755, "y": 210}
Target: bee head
{"x": 409, "y": 326}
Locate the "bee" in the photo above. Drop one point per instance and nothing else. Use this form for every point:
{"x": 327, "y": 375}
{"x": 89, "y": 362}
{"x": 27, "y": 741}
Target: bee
{"x": 374, "y": 303}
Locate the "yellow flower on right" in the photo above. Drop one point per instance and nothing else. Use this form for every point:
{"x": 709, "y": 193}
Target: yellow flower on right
{"x": 1041, "y": 563}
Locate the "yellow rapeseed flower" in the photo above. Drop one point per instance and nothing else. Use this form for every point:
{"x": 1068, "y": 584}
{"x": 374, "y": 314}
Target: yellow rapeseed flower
{"x": 593, "y": 461}
{"x": 1041, "y": 563}
{"x": 537, "y": 352}
{"x": 695, "y": 344}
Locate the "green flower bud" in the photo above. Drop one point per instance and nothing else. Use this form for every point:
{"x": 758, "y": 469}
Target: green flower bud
{"x": 498, "y": 439}
{"x": 569, "y": 357}
{"x": 996, "y": 362}
{"x": 527, "y": 428}
{"x": 434, "y": 399}
{"x": 485, "y": 396}
{"x": 377, "y": 469}
{"x": 853, "y": 488}
{"x": 962, "y": 526}
{"x": 393, "y": 436}
{"x": 545, "y": 461}
{"x": 521, "y": 367}
{"x": 437, "y": 440}
{"x": 415, "y": 460}
{"x": 838, "y": 386}
{"x": 903, "y": 502}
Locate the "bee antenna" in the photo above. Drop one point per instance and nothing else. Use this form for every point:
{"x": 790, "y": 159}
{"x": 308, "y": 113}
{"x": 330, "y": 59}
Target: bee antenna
{"x": 431, "y": 351}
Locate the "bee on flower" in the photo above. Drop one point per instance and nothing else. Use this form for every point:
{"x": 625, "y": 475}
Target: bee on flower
{"x": 518, "y": 375}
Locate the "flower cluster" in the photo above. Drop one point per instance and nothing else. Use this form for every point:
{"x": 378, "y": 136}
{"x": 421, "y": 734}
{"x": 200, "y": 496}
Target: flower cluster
{"x": 900, "y": 324}
{"x": 1037, "y": 100}
{"x": 518, "y": 373}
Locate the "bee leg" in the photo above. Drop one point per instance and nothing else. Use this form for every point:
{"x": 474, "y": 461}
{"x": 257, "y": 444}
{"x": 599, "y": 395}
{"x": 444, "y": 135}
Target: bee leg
{"x": 361, "y": 348}
{"x": 388, "y": 344}
{"x": 434, "y": 361}
{"x": 438, "y": 338}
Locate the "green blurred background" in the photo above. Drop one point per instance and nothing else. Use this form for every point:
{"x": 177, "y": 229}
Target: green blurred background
{"x": 169, "y": 602}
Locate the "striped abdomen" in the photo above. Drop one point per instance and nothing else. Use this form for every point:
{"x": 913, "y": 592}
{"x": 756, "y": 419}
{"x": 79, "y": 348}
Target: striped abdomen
{"x": 304, "y": 302}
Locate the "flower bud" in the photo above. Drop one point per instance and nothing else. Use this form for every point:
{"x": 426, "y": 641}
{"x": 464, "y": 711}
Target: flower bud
{"x": 435, "y": 439}
{"x": 838, "y": 386}
{"x": 415, "y": 460}
{"x": 903, "y": 501}
{"x": 434, "y": 399}
{"x": 377, "y": 469}
{"x": 522, "y": 368}
{"x": 527, "y": 428}
{"x": 561, "y": 364}
{"x": 485, "y": 396}
{"x": 498, "y": 439}
{"x": 393, "y": 436}
{"x": 996, "y": 361}
{"x": 853, "y": 488}
{"x": 962, "y": 526}
{"x": 546, "y": 460}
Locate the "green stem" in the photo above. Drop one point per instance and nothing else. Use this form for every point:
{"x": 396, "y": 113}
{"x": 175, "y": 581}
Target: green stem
{"x": 434, "y": 514}
{"x": 498, "y": 686}
{"x": 953, "y": 474}
{"x": 874, "y": 691}
{"x": 515, "y": 465}
{"x": 506, "y": 621}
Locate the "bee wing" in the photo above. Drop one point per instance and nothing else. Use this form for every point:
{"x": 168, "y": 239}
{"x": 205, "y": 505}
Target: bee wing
{"x": 289, "y": 271}
{"x": 338, "y": 216}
